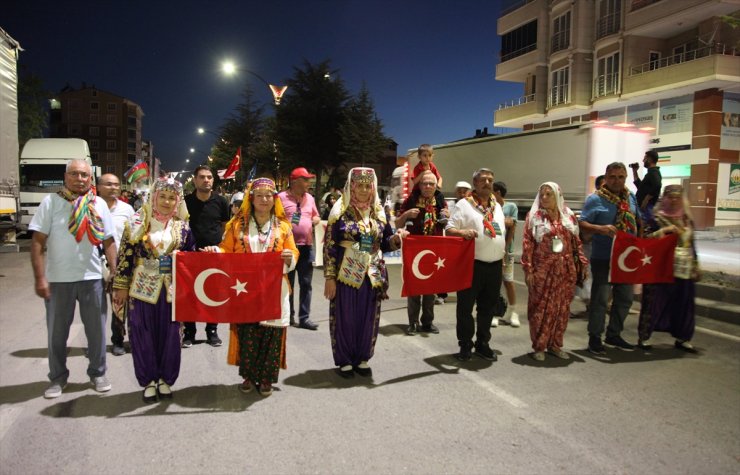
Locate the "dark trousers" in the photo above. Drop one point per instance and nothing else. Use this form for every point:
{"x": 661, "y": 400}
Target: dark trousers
{"x": 189, "y": 329}
{"x": 483, "y": 293}
{"x": 304, "y": 269}
{"x": 425, "y": 303}
{"x": 621, "y": 302}
{"x": 117, "y": 330}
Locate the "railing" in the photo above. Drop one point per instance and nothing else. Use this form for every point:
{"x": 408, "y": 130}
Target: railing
{"x": 519, "y": 52}
{"x": 516, "y": 102}
{"x": 511, "y": 5}
{"x": 558, "y": 95}
{"x": 637, "y": 4}
{"x": 560, "y": 40}
{"x": 606, "y": 84}
{"x": 715, "y": 49}
{"x": 608, "y": 24}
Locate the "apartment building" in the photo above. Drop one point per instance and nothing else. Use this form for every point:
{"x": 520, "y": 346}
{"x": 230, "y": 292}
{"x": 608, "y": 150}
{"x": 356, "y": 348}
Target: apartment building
{"x": 110, "y": 124}
{"x": 668, "y": 67}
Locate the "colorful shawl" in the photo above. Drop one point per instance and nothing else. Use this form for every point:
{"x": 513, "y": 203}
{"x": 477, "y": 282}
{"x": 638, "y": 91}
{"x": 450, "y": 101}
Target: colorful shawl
{"x": 626, "y": 220}
{"x": 85, "y": 218}
{"x": 486, "y": 211}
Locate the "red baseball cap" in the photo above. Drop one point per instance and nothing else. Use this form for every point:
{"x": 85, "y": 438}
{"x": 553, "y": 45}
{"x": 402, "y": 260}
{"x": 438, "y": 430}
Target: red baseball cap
{"x": 301, "y": 173}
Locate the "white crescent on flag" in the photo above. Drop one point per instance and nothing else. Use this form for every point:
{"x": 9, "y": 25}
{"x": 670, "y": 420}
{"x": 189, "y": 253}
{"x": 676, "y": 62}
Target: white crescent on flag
{"x": 200, "y": 291}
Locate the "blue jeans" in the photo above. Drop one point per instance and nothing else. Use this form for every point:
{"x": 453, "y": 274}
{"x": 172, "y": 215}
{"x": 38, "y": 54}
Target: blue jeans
{"x": 304, "y": 269}
{"x": 60, "y": 311}
{"x": 621, "y": 302}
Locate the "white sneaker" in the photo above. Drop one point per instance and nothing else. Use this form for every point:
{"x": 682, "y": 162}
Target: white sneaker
{"x": 439, "y": 301}
{"x": 54, "y": 390}
{"x": 514, "y": 320}
{"x": 494, "y": 322}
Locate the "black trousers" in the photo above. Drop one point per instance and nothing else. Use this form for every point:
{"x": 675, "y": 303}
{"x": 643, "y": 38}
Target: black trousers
{"x": 425, "y": 303}
{"x": 483, "y": 293}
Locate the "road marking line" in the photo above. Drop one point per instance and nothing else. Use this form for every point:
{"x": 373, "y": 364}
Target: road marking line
{"x": 8, "y": 415}
{"x": 718, "y": 334}
{"x": 474, "y": 377}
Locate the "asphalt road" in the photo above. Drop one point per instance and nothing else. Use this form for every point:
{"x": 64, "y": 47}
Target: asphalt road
{"x": 662, "y": 412}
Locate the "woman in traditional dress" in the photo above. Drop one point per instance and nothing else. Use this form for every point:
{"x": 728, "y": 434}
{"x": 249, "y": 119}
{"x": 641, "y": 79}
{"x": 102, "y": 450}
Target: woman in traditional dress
{"x": 549, "y": 252}
{"x": 356, "y": 279}
{"x": 143, "y": 281}
{"x": 260, "y": 226}
{"x": 670, "y": 307}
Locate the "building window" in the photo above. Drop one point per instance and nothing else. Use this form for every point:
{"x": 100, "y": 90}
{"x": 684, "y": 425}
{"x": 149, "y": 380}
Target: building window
{"x": 561, "y": 32}
{"x": 110, "y": 118}
{"x": 94, "y": 106}
{"x": 559, "y": 86}
{"x": 111, "y": 156}
{"x": 110, "y": 144}
{"x": 94, "y": 131}
{"x": 112, "y": 106}
{"x": 93, "y": 117}
{"x": 132, "y": 122}
{"x": 132, "y": 134}
{"x": 94, "y": 93}
{"x": 94, "y": 156}
{"x": 132, "y": 145}
{"x": 110, "y": 131}
{"x": 610, "y": 18}
{"x": 131, "y": 158}
{"x": 94, "y": 143}
{"x": 520, "y": 41}
{"x": 607, "y": 76}
{"x": 654, "y": 60}
{"x": 110, "y": 169}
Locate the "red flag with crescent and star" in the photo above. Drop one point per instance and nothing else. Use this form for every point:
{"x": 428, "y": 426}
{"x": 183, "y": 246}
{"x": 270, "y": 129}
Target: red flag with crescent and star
{"x": 436, "y": 264}
{"x": 638, "y": 260}
{"x": 226, "y": 288}
{"x": 234, "y": 166}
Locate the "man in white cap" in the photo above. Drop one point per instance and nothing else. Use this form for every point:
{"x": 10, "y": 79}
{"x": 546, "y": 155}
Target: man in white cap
{"x": 300, "y": 209}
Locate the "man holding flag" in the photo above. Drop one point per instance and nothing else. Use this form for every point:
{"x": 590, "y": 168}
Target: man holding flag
{"x": 610, "y": 209}
{"x": 423, "y": 213}
{"x": 479, "y": 217}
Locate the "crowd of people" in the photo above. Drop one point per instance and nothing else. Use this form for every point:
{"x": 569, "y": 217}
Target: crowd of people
{"x": 86, "y": 245}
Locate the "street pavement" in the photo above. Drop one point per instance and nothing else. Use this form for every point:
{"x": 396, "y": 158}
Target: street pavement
{"x": 661, "y": 412}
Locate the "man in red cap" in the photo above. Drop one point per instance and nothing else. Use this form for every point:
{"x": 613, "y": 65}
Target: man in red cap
{"x": 300, "y": 208}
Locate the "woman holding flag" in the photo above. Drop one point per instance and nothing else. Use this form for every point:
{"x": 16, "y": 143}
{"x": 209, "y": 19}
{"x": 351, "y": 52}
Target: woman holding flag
{"x": 670, "y": 307}
{"x": 356, "y": 279}
{"x": 549, "y": 252}
{"x": 260, "y": 226}
{"x": 143, "y": 281}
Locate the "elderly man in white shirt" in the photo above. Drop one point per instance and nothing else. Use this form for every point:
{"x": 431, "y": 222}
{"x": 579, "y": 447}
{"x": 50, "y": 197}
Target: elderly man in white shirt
{"x": 479, "y": 217}
{"x": 72, "y": 224}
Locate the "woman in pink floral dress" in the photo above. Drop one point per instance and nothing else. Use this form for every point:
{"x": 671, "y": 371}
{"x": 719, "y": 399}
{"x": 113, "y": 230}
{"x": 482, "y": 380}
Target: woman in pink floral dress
{"x": 551, "y": 245}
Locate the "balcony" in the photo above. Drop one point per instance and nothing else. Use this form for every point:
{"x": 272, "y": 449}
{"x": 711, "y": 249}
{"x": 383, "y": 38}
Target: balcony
{"x": 637, "y": 4}
{"x": 518, "y": 65}
{"x": 558, "y": 96}
{"x": 560, "y": 41}
{"x": 518, "y": 111}
{"x": 605, "y": 85}
{"x": 608, "y": 25}
{"x": 710, "y": 66}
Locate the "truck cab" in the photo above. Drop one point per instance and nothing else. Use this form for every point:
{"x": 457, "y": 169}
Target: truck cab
{"x": 42, "y": 166}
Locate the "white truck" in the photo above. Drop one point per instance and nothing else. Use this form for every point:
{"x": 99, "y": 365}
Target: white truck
{"x": 572, "y": 156}
{"x": 42, "y": 166}
{"x": 8, "y": 142}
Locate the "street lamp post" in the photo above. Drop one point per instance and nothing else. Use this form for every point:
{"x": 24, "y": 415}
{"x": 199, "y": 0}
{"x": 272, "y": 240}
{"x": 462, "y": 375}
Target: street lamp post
{"x": 229, "y": 68}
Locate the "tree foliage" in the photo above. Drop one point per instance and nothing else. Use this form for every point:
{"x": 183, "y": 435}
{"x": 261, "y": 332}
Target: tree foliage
{"x": 361, "y": 131}
{"x": 33, "y": 116}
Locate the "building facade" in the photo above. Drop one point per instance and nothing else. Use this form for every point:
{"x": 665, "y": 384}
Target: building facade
{"x": 110, "y": 124}
{"x": 668, "y": 67}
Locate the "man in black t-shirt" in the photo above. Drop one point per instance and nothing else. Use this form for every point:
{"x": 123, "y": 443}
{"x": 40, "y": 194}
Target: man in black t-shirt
{"x": 209, "y": 212}
{"x": 648, "y": 189}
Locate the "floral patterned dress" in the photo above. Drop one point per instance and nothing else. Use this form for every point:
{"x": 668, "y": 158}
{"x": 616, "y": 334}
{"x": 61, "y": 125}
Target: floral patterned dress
{"x": 548, "y": 305}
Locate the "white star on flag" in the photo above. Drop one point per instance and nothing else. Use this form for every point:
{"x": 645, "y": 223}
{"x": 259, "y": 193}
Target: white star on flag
{"x": 646, "y": 259}
{"x": 240, "y": 287}
{"x": 440, "y": 263}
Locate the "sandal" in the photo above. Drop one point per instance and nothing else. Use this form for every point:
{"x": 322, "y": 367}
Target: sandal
{"x": 164, "y": 390}
{"x": 265, "y": 389}
{"x": 245, "y": 386}
{"x": 538, "y": 355}
{"x": 150, "y": 393}
{"x": 559, "y": 354}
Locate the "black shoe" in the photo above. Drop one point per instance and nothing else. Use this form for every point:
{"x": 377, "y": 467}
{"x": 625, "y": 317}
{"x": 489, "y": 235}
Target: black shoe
{"x": 643, "y": 345}
{"x": 346, "y": 372}
{"x": 685, "y": 346}
{"x": 187, "y": 342}
{"x": 618, "y": 342}
{"x": 292, "y": 321}
{"x": 431, "y": 328}
{"x": 213, "y": 339}
{"x": 485, "y": 352}
{"x": 118, "y": 350}
{"x": 465, "y": 354}
{"x": 366, "y": 372}
{"x": 595, "y": 346}
{"x": 308, "y": 325}
{"x": 411, "y": 330}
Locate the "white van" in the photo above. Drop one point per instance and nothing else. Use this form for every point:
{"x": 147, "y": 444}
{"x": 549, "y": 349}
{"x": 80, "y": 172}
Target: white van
{"x": 42, "y": 166}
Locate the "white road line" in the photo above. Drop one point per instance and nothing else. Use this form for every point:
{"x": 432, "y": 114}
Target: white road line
{"x": 725, "y": 336}
{"x": 8, "y": 415}
{"x": 472, "y": 376}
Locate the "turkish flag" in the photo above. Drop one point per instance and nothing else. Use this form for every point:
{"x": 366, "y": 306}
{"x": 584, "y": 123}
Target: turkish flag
{"x": 642, "y": 261}
{"x": 436, "y": 264}
{"x": 234, "y": 166}
{"x": 227, "y": 288}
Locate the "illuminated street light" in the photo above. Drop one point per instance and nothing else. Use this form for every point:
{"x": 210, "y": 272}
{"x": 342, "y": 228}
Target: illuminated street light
{"x": 229, "y": 69}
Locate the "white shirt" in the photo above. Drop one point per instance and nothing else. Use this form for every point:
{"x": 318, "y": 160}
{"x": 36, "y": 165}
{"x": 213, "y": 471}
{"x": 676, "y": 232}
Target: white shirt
{"x": 66, "y": 259}
{"x": 121, "y": 213}
{"x": 487, "y": 249}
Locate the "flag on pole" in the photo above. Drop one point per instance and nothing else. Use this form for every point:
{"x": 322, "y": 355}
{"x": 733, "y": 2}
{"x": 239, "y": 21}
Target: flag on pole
{"x": 138, "y": 172}
{"x": 227, "y": 288}
{"x": 436, "y": 264}
{"x": 234, "y": 166}
{"x": 252, "y": 172}
{"x": 637, "y": 260}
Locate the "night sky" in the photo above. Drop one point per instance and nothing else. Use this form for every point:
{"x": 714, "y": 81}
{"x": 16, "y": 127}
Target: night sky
{"x": 429, "y": 65}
